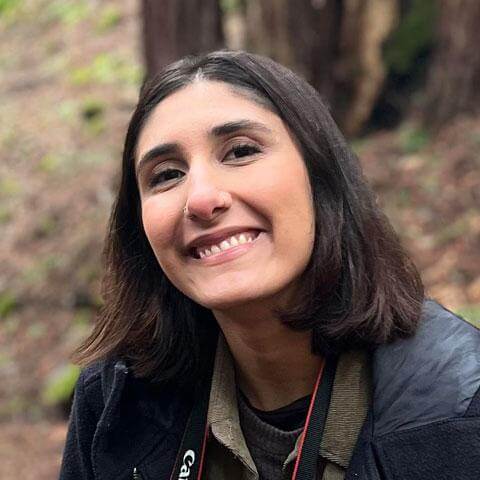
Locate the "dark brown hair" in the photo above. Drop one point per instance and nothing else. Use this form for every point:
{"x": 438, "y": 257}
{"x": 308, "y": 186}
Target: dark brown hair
{"x": 360, "y": 289}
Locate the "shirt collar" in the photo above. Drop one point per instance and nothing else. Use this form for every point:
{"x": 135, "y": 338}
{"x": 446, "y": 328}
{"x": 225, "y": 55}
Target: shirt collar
{"x": 349, "y": 402}
{"x": 348, "y": 408}
{"x": 223, "y": 407}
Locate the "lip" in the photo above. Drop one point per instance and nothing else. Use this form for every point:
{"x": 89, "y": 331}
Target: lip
{"x": 232, "y": 253}
{"x": 216, "y": 237}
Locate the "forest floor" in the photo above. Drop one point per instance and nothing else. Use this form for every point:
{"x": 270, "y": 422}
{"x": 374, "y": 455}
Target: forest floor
{"x": 70, "y": 76}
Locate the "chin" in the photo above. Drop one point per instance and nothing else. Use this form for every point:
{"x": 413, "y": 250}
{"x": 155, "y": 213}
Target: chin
{"x": 233, "y": 298}
{"x": 225, "y": 302}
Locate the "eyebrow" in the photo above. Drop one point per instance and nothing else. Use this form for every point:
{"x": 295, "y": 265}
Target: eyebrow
{"x": 216, "y": 132}
{"x": 236, "y": 125}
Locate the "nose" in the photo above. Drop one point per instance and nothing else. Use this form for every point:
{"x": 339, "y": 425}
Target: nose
{"x": 206, "y": 201}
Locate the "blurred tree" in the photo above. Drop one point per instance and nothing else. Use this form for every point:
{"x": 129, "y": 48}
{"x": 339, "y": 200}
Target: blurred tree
{"x": 301, "y": 34}
{"x": 335, "y": 44}
{"x": 453, "y": 85}
{"x": 366, "y": 24}
{"x": 174, "y": 28}
{"x": 407, "y": 54}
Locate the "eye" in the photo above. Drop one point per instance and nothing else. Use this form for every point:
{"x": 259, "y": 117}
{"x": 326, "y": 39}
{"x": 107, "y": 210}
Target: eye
{"x": 241, "y": 151}
{"x": 165, "y": 176}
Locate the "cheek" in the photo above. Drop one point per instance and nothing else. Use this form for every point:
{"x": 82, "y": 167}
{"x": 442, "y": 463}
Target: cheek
{"x": 297, "y": 230}
{"x": 159, "y": 227}
{"x": 293, "y": 201}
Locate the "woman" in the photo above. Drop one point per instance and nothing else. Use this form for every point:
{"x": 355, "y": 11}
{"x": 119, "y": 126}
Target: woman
{"x": 261, "y": 319}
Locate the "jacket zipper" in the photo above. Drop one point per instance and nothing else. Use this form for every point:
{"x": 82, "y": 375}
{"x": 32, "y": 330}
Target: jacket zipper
{"x": 136, "y": 474}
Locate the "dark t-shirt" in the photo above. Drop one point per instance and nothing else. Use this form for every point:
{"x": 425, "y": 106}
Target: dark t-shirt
{"x": 288, "y": 418}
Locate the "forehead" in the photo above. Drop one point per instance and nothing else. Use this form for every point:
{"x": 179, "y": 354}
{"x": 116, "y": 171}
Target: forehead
{"x": 199, "y": 106}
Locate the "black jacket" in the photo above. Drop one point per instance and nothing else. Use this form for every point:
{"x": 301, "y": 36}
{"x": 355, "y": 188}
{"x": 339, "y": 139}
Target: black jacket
{"x": 424, "y": 422}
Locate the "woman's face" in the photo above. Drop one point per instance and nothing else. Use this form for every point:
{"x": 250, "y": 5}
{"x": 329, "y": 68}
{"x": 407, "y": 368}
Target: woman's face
{"x": 249, "y": 230}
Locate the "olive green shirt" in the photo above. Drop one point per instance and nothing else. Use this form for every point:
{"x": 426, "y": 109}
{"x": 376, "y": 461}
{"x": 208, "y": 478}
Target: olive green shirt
{"x": 227, "y": 455}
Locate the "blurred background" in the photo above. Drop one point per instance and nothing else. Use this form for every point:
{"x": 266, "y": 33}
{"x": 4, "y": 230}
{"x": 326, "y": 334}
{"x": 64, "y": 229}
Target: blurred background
{"x": 402, "y": 78}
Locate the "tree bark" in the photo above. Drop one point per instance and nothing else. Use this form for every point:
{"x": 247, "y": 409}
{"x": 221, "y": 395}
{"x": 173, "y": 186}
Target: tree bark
{"x": 175, "y": 28}
{"x": 453, "y": 85}
{"x": 336, "y": 45}
{"x": 301, "y": 34}
{"x": 361, "y": 72}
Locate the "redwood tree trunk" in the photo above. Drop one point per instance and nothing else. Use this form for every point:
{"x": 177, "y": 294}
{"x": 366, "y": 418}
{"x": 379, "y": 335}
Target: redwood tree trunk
{"x": 335, "y": 44}
{"x": 301, "y": 34}
{"x": 360, "y": 69}
{"x": 175, "y": 28}
{"x": 453, "y": 85}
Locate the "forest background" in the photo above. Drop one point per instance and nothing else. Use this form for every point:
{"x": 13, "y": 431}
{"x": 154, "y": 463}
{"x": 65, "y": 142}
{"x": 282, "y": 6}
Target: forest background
{"x": 402, "y": 78}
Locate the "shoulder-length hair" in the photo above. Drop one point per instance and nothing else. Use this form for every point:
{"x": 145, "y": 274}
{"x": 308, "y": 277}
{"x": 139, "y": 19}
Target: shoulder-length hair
{"x": 360, "y": 289}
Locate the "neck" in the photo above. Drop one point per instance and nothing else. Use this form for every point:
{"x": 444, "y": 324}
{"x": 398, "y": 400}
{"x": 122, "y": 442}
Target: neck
{"x": 274, "y": 364}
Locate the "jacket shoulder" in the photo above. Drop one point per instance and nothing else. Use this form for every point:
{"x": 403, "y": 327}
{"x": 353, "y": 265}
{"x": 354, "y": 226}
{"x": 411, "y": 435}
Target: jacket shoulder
{"x": 432, "y": 376}
{"x": 95, "y": 384}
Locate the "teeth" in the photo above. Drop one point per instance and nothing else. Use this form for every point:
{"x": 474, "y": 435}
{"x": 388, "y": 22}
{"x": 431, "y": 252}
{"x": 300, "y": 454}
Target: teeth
{"x": 233, "y": 241}
{"x": 224, "y": 245}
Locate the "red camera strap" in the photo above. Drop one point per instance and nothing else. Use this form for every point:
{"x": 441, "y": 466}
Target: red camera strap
{"x": 191, "y": 455}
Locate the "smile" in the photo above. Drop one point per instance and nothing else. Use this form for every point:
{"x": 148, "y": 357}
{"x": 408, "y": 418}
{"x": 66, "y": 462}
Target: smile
{"x": 228, "y": 248}
{"x": 227, "y": 244}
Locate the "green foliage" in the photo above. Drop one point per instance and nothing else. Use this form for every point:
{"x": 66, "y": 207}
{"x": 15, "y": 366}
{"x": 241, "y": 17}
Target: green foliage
{"x": 11, "y": 11}
{"x": 108, "y": 18}
{"x": 413, "y": 36}
{"x": 471, "y": 313}
{"x": 67, "y": 12}
{"x": 413, "y": 139}
{"x": 49, "y": 163}
{"x": 92, "y": 108}
{"x": 92, "y": 112}
{"x": 8, "y": 303}
{"x": 68, "y": 110}
{"x": 107, "y": 68}
{"x": 82, "y": 318}
{"x": 9, "y": 187}
{"x": 59, "y": 387}
{"x": 96, "y": 127}
{"x": 228, "y": 6}
{"x": 7, "y": 7}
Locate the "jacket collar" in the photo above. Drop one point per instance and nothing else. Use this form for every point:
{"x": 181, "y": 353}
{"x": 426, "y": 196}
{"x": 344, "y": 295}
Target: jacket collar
{"x": 140, "y": 426}
{"x": 349, "y": 402}
{"x": 223, "y": 415}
